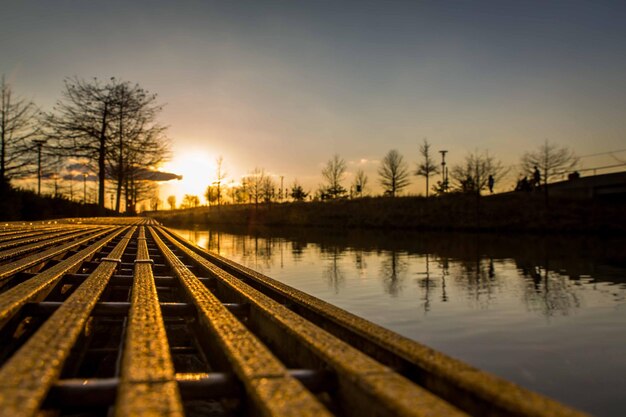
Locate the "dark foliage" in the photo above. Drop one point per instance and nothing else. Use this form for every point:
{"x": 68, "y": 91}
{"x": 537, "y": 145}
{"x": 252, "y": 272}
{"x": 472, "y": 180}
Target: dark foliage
{"x": 27, "y": 205}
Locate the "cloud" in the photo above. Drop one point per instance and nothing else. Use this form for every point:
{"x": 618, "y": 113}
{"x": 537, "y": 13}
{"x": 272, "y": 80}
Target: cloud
{"x": 364, "y": 162}
{"x": 146, "y": 174}
{"x": 142, "y": 174}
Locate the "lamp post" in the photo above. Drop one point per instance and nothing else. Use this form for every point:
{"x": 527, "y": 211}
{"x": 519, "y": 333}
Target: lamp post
{"x": 85, "y": 187}
{"x": 444, "y": 172}
{"x": 55, "y": 177}
{"x": 39, "y": 143}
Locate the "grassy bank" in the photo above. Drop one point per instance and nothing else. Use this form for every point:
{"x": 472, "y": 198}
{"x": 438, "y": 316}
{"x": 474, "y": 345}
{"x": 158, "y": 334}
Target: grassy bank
{"x": 521, "y": 212}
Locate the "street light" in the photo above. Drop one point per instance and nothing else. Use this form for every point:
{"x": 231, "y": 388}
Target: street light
{"x": 55, "y": 177}
{"x": 444, "y": 172}
{"x": 85, "y": 187}
{"x": 39, "y": 143}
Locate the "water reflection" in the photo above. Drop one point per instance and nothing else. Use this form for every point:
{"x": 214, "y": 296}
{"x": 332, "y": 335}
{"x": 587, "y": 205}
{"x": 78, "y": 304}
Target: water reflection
{"x": 393, "y": 269}
{"x": 528, "y": 308}
{"x": 430, "y": 285}
{"x": 482, "y": 269}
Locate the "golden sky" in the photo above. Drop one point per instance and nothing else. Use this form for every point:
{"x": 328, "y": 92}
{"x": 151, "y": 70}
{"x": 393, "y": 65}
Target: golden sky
{"x": 284, "y": 85}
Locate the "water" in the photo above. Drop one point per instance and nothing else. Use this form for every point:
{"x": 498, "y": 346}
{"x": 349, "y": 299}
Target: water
{"x": 546, "y": 313}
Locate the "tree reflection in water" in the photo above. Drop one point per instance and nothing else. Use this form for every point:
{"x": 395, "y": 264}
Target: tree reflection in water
{"x": 393, "y": 268}
{"x": 528, "y": 308}
{"x": 543, "y": 272}
{"x": 332, "y": 271}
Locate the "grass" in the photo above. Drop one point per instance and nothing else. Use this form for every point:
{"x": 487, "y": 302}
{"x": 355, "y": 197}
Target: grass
{"x": 513, "y": 212}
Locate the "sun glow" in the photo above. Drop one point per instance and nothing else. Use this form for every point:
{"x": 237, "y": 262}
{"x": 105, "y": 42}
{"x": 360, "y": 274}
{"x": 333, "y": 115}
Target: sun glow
{"x": 197, "y": 169}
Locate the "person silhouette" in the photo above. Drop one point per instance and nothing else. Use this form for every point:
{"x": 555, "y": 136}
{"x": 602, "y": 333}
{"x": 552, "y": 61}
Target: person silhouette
{"x": 490, "y": 183}
{"x": 536, "y": 177}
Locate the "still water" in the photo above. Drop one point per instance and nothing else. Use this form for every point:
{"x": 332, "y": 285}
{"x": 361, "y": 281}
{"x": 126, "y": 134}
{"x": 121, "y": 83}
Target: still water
{"x": 546, "y": 313}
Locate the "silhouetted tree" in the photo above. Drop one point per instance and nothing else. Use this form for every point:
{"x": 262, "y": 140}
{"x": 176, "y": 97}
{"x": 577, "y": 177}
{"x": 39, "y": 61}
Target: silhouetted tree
{"x": 333, "y": 173}
{"x": 427, "y": 166}
{"x": 254, "y": 185}
{"x": 113, "y": 126}
{"x": 360, "y": 182}
{"x": 297, "y": 192}
{"x": 82, "y": 121}
{"x": 268, "y": 189}
{"x": 473, "y": 175}
{"x": 240, "y": 194}
{"x": 211, "y": 194}
{"x": 393, "y": 172}
{"x": 190, "y": 201}
{"x": 139, "y": 142}
{"x": 552, "y": 161}
{"x": 18, "y": 128}
{"x": 220, "y": 175}
{"x": 155, "y": 202}
{"x": 171, "y": 200}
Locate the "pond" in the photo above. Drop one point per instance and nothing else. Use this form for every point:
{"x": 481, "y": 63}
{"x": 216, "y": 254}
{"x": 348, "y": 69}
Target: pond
{"x": 548, "y": 313}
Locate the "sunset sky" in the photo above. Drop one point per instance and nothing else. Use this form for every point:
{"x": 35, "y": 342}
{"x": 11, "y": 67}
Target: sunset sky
{"x": 283, "y": 85}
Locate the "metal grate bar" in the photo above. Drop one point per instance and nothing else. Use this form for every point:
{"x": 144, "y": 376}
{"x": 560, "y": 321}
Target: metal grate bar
{"x": 148, "y": 384}
{"x": 271, "y": 390}
{"x": 7, "y": 270}
{"x": 20, "y": 235}
{"x": 12, "y": 300}
{"x": 54, "y": 239}
{"x": 365, "y": 386}
{"x": 28, "y": 375}
{"x": 25, "y": 240}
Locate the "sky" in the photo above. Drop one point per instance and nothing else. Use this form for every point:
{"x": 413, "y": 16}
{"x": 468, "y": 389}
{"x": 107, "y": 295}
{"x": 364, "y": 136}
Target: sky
{"x": 285, "y": 85}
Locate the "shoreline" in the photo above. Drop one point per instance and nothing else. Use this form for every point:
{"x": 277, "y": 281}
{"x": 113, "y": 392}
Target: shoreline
{"x": 502, "y": 213}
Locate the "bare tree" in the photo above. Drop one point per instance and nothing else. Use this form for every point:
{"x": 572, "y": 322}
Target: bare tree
{"x": 211, "y": 194}
{"x": 333, "y": 173}
{"x": 190, "y": 201}
{"x": 171, "y": 200}
{"x": 360, "y": 182}
{"x": 139, "y": 142}
{"x": 254, "y": 185}
{"x": 473, "y": 175}
{"x": 155, "y": 202}
{"x": 268, "y": 189}
{"x": 427, "y": 166}
{"x": 551, "y": 160}
{"x": 113, "y": 126}
{"x": 81, "y": 123}
{"x": 393, "y": 172}
{"x": 220, "y": 175}
{"x": 18, "y": 128}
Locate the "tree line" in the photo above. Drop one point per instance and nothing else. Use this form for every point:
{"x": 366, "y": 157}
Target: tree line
{"x": 478, "y": 172}
{"x": 102, "y": 131}
{"x": 107, "y": 132}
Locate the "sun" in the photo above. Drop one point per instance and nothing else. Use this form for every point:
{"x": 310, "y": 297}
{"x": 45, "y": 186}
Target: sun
{"x": 197, "y": 169}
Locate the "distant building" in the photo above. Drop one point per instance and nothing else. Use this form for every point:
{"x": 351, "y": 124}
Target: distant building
{"x": 605, "y": 186}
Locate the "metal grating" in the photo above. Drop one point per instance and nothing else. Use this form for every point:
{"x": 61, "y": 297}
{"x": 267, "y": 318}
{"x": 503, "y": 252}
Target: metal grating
{"x": 121, "y": 317}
